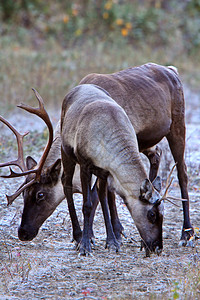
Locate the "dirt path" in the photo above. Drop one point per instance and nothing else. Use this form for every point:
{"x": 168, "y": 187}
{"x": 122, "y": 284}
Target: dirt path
{"x": 50, "y": 268}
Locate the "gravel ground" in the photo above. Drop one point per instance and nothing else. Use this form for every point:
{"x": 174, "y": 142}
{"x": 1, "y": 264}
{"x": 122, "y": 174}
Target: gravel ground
{"x": 49, "y": 266}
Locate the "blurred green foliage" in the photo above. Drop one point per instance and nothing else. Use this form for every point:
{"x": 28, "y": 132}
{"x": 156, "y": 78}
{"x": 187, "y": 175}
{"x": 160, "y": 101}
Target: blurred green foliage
{"x": 51, "y": 45}
{"x": 156, "y": 22}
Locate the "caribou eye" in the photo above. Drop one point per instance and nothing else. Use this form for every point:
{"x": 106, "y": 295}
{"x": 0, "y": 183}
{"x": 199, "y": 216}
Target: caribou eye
{"x": 39, "y": 196}
{"x": 151, "y": 215}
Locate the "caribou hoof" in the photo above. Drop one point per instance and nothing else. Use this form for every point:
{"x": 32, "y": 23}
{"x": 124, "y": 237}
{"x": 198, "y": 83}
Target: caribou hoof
{"x": 190, "y": 243}
{"x": 85, "y": 253}
{"x": 112, "y": 245}
{"x": 158, "y": 251}
{"x": 77, "y": 237}
{"x": 84, "y": 248}
{"x": 187, "y": 238}
{"x": 147, "y": 252}
{"x": 92, "y": 240}
{"x": 182, "y": 243}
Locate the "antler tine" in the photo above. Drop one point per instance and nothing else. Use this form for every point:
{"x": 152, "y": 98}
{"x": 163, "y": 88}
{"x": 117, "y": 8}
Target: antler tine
{"x": 42, "y": 113}
{"x": 169, "y": 198}
{"x": 167, "y": 187}
{"x": 168, "y": 184}
{"x": 20, "y": 160}
{"x": 12, "y": 197}
{"x": 39, "y": 111}
{"x": 170, "y": 173}
{"x": 175, "y": 198}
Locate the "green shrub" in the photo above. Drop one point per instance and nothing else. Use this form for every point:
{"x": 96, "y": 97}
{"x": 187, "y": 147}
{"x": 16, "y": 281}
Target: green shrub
{"x": 155, "y": 22}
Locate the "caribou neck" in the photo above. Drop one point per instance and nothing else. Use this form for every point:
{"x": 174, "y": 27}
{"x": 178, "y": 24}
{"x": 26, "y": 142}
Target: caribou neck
{"x": 55, "y": 151}
{"x": 127, "y": 173}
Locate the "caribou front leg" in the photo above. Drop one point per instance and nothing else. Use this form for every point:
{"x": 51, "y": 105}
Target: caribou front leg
{"x": 85, "y": 245}
{"x": 95, "y": 202}
{"x": 67, "y": 176}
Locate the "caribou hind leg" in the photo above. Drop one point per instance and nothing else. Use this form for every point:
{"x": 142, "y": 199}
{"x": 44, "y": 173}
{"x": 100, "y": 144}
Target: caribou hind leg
{"x": 116, "y": 224}
{"x": 111, "y": 241}
{"x": 154, "y": 156}
{"x": 176, "y": 140}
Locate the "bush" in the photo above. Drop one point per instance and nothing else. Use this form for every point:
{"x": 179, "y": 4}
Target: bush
{"x": 155, "y": 22}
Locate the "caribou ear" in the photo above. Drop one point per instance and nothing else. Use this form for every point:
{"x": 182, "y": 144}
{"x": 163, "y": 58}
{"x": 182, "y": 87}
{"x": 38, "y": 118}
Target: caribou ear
{"x": 30, "y": 163}
{"x": 157, "y": 184}
{"x": 146, "y": 190}
{"x": 54, "y": 170}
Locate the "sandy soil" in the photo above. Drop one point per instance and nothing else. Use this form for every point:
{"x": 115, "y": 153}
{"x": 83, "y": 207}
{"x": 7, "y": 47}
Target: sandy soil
{"x": 50, "y": 268}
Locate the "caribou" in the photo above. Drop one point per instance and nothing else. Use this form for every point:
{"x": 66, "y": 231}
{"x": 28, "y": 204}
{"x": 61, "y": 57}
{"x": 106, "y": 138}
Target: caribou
{"x": 42, "y": 189}
{"x": 149, "y": 94}
{"x": 97, "y": 134}
{"x": 152, "y": 96}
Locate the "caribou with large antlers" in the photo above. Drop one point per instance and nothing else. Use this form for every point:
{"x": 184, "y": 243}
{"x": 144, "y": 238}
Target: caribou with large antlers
{"x": 42, "y": 189}
{"x": 34, "y": 175}
{"x": 42, "y": 194}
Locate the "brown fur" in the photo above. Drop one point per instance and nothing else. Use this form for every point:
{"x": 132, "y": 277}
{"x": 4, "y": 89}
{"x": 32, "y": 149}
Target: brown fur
{"x": 152, "y": 96}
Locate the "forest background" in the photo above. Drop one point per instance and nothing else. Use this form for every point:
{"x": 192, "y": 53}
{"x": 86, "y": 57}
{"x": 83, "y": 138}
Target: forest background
{"x": 52, "y": 45}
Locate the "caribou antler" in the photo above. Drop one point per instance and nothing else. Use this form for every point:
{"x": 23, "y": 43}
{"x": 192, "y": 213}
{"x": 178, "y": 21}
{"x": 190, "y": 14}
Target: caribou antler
{"x": 168, "y": 184}
{"x": 40, "y": 112}
{"x": 20, "y": 160}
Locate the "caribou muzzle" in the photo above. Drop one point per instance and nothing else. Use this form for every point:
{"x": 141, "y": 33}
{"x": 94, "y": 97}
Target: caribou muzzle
{"x": 155, "y": 247}
{"x": 27, "y": 233}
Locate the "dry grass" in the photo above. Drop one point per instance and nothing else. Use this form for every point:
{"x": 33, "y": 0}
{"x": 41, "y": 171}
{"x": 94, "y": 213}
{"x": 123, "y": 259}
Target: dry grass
{"x": 53, "y": 70}
{"x": 50, "y": 264}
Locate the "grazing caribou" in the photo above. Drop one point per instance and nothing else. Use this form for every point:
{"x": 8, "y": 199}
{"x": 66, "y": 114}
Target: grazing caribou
{"x": 42, "y": 194}
{"x": 152, "y": 96}
{"x": 97, "y": 134}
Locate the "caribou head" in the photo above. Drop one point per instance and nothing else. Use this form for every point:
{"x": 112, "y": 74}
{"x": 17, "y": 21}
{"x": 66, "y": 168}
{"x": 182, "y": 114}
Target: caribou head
{"x": 36, "y": 176}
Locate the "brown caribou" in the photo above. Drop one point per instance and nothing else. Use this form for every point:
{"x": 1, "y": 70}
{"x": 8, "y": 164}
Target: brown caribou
{"x": 152, "y": 96}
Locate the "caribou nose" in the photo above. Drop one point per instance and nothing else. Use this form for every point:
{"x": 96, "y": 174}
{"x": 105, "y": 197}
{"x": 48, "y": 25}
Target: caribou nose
{"x": 26, "y": 234}
{"x": 155, "y": 247}
{"x": 22, "y": 234}
{"x": 158, "y": 251}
